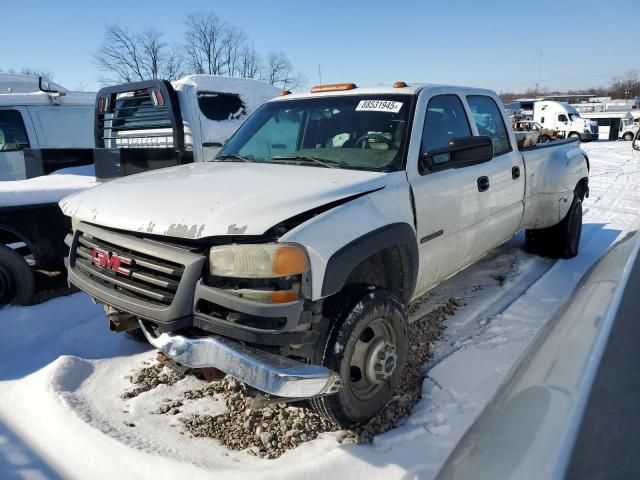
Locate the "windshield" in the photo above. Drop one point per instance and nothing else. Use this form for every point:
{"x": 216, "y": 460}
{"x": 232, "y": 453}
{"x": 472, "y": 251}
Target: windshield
{"x": 350, "y": 131}
{"x": 574, "y": 116}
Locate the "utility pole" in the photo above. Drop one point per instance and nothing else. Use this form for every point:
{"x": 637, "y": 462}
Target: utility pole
{"x": 539, "y": 73}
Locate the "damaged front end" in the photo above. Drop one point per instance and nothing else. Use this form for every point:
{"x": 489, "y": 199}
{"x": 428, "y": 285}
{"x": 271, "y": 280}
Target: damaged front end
{"x": 243, "y": 309}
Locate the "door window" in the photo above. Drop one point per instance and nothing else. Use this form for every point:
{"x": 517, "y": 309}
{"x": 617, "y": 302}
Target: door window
{"x": 445, "y": 120}
{"x": 563, "y": 118}
{"x": 13, "y": 135}
{"x": 489, "y": 122}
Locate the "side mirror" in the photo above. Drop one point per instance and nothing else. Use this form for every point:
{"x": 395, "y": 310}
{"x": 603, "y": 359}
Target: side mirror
{"x": 636, "y": 144}
{"x": 461, "y": 152}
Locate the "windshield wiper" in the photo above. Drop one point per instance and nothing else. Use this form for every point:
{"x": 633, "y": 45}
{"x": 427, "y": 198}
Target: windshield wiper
{"x": 303, "y": 158}
{"x": 234, "y": 157}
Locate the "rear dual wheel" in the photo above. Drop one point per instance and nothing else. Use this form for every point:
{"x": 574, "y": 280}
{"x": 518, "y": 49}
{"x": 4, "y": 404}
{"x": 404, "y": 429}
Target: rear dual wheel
{"x": 561, "y": 240}
{"x": 367, "y": 345}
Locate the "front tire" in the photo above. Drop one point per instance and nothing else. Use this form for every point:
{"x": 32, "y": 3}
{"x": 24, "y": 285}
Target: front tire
{"x": 561, "y": 240}
{"x": 628, "y": 137}
{"x": 367, "y": 345}
{"x": 17, "y": 283}
{"x": 575, "y": 135}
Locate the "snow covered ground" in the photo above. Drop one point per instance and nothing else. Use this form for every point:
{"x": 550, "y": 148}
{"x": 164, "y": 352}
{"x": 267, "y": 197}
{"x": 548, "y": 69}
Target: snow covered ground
{"x": 62, "y": 373}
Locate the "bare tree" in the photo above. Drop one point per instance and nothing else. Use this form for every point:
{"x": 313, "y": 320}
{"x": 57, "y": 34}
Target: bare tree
{"x": 205, "y": 41}
{"x": 233, "y": 44}
{"x": 278, "y": 71}
{"x": 127, "y": 56}
{"x": 250, "y": 62}
{"x": 626, "y": 86}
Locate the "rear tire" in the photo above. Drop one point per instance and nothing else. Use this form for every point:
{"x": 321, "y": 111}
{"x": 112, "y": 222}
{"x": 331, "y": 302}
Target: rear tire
{"x": 17, "y": 284}
{"x": 561, "y": 240}
{"x": 367, "y": 346}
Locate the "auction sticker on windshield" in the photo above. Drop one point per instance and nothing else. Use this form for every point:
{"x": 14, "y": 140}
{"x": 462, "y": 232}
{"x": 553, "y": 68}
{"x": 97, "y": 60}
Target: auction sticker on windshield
{"x": 378, "y": 106}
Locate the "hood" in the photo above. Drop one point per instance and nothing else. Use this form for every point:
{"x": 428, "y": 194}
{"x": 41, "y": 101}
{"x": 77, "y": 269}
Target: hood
{"x": 206, "y": 199}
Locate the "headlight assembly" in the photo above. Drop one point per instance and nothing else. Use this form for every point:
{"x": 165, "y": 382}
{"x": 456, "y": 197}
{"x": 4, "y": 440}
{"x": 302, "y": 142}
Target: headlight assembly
{"x": 269, "y": 260}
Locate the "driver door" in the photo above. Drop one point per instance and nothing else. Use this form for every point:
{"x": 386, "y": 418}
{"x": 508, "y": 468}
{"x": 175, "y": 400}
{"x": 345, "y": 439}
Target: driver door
{"x": 447, "y": 201}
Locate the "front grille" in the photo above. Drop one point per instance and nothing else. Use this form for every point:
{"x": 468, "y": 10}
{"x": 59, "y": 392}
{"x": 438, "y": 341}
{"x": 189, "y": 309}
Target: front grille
{"x": 152, "y": 280}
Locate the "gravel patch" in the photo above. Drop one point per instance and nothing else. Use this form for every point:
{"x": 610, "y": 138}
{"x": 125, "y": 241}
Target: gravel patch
{"x": 148, "y": 378}
{"x": 271, "y": 430}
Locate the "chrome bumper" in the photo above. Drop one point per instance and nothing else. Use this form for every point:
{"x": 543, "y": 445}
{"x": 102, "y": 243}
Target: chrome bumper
{"x": 265, "y": 371}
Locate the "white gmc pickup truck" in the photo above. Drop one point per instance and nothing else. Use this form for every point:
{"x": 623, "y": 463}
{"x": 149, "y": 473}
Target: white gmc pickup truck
{"x": 288, "y": 261}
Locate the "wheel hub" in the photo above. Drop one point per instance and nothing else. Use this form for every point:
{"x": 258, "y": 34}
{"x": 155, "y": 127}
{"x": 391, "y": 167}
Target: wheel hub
{"x": 381, "y": 362}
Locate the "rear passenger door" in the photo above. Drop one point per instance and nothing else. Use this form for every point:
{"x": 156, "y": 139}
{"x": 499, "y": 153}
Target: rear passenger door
{"x": 503, "y": 205}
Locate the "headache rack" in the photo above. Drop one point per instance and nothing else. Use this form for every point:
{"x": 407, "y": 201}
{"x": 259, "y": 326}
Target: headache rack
{"x": 138, "y": 127}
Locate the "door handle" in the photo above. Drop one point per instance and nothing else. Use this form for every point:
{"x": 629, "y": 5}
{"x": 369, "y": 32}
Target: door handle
{"x": 483, "y": 184}
{"x": 515, "y": 172}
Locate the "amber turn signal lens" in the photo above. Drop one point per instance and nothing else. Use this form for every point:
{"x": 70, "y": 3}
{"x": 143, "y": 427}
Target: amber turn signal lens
{"x": 289, "y": 260}
{"x": 283, "y": 296}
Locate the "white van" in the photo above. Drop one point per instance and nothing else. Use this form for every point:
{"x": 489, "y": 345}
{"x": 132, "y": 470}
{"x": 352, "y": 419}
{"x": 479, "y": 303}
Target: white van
{"x": 565, "y": 119}
{"x": 613, "y": 125}
{"x": 35, "y": 115}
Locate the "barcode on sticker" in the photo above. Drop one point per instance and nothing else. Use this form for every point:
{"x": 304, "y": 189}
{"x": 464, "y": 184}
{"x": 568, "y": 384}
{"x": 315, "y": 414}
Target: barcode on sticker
{"x": 378, "y": 106}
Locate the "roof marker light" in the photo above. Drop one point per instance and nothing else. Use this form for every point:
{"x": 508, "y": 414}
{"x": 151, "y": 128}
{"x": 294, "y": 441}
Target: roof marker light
{"x": 285, "y": 92}
{"x": 400, "y": 85}
{"x": 333, "y": 87}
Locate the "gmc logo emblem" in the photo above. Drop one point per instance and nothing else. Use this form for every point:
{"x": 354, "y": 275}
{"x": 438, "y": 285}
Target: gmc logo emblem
{"x": 105, "y": 259}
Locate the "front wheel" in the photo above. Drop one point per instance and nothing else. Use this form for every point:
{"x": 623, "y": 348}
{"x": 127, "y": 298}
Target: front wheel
{"x": 628, "y": 136}
{"x": 17, "y": 284}
{"x": 561, "y": 240}
{"x": 575, "y": 135}
{"x": 367, "y": 346}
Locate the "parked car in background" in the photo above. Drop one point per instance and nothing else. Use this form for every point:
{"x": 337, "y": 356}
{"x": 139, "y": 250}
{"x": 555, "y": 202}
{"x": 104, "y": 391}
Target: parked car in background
{"x": 156, "y": 123}
{"x": 542, "y": 134}
{"x": 288, "y": 261}
{"x": 44, "y": 129}
{"x": 564, "y": 118}
{"x": 55, "y": 121}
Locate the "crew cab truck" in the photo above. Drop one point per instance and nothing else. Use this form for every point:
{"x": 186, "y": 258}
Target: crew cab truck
{"x": 154, "y": 124}
{"x": 288, "y": 261}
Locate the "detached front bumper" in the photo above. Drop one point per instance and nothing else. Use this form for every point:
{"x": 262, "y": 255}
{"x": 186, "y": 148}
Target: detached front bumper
{"x": 267, "y": 372}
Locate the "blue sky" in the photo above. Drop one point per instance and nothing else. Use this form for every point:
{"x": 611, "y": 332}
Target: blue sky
{"x": 495, "y": 44}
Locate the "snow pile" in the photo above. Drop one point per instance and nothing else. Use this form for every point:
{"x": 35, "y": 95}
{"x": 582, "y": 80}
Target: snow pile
{"x": 48, "y": 188}
{"x": 62, "y": 374}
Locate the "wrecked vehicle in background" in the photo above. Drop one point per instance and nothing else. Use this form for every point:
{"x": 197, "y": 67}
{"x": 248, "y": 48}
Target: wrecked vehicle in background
{"x": 155, "y": 124}
{"x": 288, "y": 261}
{"x": 46, "y": 143}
